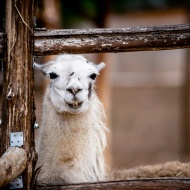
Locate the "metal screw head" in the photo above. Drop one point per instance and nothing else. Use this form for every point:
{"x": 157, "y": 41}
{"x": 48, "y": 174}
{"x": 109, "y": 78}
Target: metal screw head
{"x": 36, "y": 125}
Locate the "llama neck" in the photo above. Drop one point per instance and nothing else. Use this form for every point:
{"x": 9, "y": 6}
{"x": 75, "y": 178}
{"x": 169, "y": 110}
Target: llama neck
{"x": 74, "y": 143}
{"x": 90, "y": 125}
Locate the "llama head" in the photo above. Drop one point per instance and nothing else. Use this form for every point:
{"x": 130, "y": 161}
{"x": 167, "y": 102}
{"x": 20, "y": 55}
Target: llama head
{"x": 72, "y": 79}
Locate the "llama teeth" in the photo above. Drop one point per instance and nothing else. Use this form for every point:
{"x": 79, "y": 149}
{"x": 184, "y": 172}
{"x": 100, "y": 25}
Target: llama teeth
{"x": 75, "y": 103}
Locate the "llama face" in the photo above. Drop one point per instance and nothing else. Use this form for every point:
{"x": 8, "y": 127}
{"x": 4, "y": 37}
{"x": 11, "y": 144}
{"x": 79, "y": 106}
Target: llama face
{"x": 72, "y": 79}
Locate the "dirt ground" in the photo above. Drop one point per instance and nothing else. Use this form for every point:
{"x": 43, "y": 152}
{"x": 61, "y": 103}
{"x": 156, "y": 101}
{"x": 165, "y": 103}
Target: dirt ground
{"x": 146, "y": 126}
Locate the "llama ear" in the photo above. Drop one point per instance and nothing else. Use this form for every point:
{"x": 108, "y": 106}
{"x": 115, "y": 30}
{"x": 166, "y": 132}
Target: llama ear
{"x": 100, "y": 66}
{"x": 43, "y": 67}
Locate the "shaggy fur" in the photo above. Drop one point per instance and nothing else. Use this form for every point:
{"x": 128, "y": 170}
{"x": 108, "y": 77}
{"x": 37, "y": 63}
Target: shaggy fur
{"x": 168, "y": 169}
{"x": 72, "y": 136}
{"x": 71, "y": 144}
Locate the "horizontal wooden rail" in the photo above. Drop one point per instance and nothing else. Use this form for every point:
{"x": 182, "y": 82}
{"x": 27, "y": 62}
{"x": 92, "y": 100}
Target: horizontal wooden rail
{"x": 112, "y": 40}
{"x": 52, "y": 42}
{"x": 141, "y": 184}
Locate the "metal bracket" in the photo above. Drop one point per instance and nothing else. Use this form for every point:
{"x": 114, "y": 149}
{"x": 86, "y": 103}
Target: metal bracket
{"x": 16, "y": 183}
{"x": 16, "y": 139}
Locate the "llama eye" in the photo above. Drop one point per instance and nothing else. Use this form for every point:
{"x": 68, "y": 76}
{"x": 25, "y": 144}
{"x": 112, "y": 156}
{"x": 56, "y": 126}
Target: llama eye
{"x": 93, "y": 76}
{"x": 53, "y": 75}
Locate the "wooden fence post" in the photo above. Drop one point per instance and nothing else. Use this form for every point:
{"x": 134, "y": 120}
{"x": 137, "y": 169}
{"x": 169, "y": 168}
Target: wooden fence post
{"x": 18, "y": 85}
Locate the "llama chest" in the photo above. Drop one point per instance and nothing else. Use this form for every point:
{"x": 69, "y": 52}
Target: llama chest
{"x": 70, "y": 146}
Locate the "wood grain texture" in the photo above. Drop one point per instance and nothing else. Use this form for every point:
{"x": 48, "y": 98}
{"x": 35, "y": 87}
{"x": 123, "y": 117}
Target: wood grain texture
{"x": 12, "y": 164}
{"x": 143, "y": 184}
{"x": 18, "y": 86}
{"x": 112, "y": 39}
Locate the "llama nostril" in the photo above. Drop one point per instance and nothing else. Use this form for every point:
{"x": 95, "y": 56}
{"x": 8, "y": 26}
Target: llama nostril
{"x": 79, "y": 90}
{"x": 70, "y": 90}
{"x": 73, "y": 91}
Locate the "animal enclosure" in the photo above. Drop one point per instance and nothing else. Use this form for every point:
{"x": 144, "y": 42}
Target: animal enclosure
{"x": 20, "y": 42}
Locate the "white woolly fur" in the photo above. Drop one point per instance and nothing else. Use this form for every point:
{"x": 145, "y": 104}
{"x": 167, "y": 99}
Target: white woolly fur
{"x": 72, "y": 136}
{"x": 71, "y": 144}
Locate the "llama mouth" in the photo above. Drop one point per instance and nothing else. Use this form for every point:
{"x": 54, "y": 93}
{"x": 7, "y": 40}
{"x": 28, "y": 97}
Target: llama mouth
{"x": 75, "y": 104}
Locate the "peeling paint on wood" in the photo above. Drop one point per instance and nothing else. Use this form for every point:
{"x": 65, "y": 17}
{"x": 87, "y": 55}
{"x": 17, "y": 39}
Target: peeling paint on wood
{"x": 112, "y": 40}
{"x": 50, "y": 42}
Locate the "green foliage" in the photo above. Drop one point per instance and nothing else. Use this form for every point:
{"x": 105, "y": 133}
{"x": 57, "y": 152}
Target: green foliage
{"x": 132, "y": 5}
{"x": 76, "y": 11}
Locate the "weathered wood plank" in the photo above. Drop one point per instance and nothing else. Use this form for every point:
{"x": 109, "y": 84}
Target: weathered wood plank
{"x": 112, "y": 40}
{"x": 12, "y": 164}
{"x": 141, "y": 184}
{"x": 18, "y": 81}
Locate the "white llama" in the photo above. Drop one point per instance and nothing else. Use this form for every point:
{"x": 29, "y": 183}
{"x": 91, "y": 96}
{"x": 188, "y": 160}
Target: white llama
{"x": 72, "y": 136}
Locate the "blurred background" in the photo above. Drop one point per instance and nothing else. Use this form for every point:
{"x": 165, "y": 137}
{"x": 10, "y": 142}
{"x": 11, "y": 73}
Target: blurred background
{"x": 145, "y": 94}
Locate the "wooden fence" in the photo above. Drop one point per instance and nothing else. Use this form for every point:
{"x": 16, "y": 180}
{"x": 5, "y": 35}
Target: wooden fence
{"x": 20, "y": 42}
